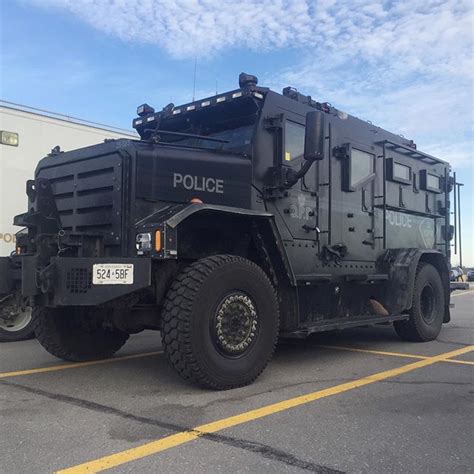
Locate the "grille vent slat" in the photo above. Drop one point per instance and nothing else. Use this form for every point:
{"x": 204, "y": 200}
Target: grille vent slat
{"x": 87, "y": 195}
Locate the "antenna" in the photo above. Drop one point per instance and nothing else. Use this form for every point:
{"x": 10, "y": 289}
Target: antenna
{"x": 216, "y": 87}
{"x": 194, "y": 81}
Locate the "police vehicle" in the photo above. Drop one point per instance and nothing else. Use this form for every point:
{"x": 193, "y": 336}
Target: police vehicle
{"x": 234, "y": 220}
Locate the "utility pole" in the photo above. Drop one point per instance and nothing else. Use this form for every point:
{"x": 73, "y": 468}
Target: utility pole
{"x": 459, "y": 221}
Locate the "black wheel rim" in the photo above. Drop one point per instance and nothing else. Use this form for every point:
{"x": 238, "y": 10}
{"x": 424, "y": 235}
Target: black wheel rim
{"x": 235, "y": 324}
{"x": 428, "y": 304}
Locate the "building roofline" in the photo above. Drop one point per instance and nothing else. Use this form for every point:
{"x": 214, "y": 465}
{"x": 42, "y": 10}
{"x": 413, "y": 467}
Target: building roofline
{"x": 65, "y": 118}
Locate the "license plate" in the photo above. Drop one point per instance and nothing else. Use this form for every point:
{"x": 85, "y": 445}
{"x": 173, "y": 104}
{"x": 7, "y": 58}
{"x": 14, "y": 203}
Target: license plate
{"x": 112, "y": 274}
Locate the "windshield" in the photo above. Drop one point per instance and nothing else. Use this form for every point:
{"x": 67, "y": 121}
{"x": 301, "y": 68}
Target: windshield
{"x": 232, "y": 122}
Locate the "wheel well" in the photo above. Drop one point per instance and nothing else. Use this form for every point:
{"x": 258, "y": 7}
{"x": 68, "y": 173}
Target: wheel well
{"x": 206, "y": 233}
{"x": 211, "y": 233}
{"x": 439, "y": 262}
{"x": 402, "y": 264}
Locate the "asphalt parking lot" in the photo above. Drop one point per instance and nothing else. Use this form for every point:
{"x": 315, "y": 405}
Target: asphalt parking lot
{"x": 353, "y": 401}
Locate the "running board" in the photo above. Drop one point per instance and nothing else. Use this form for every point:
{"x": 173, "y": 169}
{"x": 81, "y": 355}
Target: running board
{"x": 342, "y": 323}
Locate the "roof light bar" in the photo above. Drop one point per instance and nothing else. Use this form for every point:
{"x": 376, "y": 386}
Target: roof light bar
{"x": 169, "y": 109}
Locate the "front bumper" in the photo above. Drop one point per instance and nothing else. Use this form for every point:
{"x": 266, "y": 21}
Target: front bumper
{"x": 68, "y": 281}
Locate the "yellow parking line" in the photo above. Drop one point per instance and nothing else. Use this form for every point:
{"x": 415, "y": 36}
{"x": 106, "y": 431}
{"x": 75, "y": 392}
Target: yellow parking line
{"x": 183, "y": 437}
{"x": 75, "y": 365}
{"x": 393, "y": 354}
{"x": 456, "y": 361}
{"x": 370, "y": 351}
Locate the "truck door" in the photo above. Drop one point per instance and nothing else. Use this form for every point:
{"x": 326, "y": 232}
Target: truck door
{"x": 298, "y": 206}
{"x": 357, "y": 199}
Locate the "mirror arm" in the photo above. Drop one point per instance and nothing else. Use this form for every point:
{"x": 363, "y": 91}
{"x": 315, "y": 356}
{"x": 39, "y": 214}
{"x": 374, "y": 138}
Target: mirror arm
{"x": 293, "y": 177}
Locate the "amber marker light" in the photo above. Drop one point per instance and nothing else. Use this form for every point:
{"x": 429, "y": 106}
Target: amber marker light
{"x": 158, "y": 240}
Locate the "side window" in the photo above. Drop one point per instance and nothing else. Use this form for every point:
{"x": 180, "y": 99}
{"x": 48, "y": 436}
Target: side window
{"x": 398, "y": 172}
{"x": 362, "y": 166}
{"x": 429, "y": 182}
{"x": 294, "y": 141}
{"x": 357, "y": 168}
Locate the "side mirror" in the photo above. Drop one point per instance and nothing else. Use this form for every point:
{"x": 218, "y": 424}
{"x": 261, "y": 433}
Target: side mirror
{"x": 314, "y": 136}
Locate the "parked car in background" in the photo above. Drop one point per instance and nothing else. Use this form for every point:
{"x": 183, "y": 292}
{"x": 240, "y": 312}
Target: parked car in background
{"x": 470, "y": 275}
{"x": 456, "y": 274}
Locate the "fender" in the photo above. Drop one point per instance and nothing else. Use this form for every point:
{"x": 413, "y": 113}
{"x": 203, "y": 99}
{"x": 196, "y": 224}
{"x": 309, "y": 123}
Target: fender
{"x": 173, "y": 216}
{"x": 264, "y": 235}
{"x": 191, "y": 209}
{"x": 402, "y": 264}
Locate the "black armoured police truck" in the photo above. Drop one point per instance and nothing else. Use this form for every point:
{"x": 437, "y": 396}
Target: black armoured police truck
{"x": 234, "y": 220}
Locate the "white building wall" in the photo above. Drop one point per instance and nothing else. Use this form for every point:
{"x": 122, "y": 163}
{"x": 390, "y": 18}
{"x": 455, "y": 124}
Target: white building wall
{"x": 38, "y": 134}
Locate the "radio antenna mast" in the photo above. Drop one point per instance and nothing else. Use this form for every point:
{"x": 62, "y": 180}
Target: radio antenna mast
{"x": 194, "y": 80}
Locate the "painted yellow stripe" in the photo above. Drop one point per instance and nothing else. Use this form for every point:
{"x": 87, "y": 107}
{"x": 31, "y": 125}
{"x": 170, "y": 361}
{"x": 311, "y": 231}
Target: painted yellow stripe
{"x": 371, "y": 351}
{"x": 178, "y": 439}
{"x": 76, "y": 365}
{"x": 455, "y": 361}
{"x": 393, "y": 354}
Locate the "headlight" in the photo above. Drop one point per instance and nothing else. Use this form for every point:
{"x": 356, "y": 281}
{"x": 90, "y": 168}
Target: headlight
{"x": 143, "y": 242}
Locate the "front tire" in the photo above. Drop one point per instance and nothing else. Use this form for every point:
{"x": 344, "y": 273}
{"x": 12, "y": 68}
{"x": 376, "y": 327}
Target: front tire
{"x": 427, "y": 312}
{"x": 76, "y": 334}
{"x": 220, "y": 322}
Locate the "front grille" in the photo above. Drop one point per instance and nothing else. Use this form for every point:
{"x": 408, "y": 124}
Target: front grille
{"x": 78, "y": 280}
{"x": 88, "y": 195}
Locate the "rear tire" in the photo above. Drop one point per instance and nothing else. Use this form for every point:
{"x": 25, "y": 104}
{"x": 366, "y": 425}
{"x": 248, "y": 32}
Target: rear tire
{"x": 62, "y": 332}
{"x": 220, "y": 322}
{"x": 427, "y": 312}
{"x": 18, "y": 327}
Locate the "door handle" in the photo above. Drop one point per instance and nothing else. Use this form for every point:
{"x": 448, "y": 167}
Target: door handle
{"x": 309, "y": 228}
{"x": 364, "y": 205}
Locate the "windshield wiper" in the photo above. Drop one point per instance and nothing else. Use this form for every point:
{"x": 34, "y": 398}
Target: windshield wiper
{"x": 156, "y": 133}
